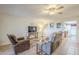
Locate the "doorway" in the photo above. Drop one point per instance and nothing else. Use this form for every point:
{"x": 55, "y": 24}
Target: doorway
{"x": 71, "y": 28}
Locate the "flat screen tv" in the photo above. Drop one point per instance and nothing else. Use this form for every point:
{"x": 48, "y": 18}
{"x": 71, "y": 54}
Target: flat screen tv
{"x": 32, "y": 29}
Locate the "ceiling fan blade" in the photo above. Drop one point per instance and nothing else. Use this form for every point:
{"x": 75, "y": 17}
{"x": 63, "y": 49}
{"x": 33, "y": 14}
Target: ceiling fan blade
{"x": 61, "y": 7}
{"x": 60, "y": 13}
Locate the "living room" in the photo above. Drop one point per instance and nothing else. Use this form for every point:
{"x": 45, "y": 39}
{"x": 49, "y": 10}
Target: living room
{"x": 35, "y": 23}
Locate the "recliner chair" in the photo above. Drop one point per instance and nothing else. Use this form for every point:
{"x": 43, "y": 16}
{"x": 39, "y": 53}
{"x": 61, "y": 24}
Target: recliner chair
{"x": 19, "y": 46}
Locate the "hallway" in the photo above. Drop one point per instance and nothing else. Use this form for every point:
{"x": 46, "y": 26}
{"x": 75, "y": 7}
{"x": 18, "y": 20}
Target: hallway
{"x": 69, "y": 46}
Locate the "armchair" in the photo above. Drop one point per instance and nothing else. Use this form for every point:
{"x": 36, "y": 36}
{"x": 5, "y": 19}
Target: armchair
{"x": 19, "y": 46}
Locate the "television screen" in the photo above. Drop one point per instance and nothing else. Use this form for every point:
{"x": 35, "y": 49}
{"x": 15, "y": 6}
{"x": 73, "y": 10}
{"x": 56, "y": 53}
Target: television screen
{"x": 32, "y": 29}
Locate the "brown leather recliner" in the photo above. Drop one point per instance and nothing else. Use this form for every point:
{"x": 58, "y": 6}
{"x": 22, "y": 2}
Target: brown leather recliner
{"x": 19, "y": 46}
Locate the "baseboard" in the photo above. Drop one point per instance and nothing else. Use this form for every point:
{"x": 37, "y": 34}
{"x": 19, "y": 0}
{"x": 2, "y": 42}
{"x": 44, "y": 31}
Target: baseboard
{"x": 4, "y": 44}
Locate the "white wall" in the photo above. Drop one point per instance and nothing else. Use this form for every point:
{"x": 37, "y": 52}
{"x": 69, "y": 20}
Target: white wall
{"x": 15, "y": 25}
{"x": 78, "y": 29}
{"x": 0, "y": 28}
{"x": 12, "y": 25}
{"x": 18, "y": 26}
{"x": 50, "y": 30}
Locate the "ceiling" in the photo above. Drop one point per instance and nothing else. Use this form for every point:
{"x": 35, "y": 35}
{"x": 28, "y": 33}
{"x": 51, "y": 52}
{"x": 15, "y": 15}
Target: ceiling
{"x": 35, "y": 11}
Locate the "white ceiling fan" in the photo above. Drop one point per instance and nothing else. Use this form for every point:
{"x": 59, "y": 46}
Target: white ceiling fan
{"x": 53, "y": 9}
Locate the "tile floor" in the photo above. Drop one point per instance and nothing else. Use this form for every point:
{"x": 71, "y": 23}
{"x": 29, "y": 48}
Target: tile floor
{"x": 69, "y": 46}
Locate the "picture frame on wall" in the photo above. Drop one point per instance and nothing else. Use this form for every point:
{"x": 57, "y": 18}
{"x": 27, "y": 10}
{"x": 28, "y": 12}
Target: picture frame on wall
{"x": 59, "y": 25}
{"x": 52, "y": 25}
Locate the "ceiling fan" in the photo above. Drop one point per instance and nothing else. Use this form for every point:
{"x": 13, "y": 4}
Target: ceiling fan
{"x": 54, "y": 9}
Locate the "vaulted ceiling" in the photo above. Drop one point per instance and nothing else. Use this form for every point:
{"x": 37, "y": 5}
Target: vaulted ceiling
{"x": 35, "y": 11}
